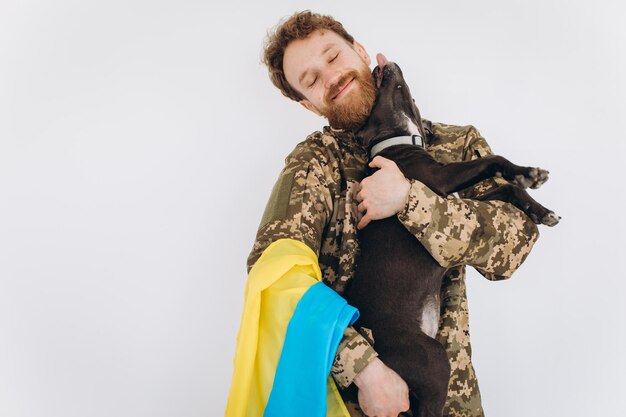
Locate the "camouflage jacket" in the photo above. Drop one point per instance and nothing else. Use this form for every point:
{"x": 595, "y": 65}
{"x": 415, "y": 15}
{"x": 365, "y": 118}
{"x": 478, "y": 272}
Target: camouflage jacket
{"x": 314, "y": 201}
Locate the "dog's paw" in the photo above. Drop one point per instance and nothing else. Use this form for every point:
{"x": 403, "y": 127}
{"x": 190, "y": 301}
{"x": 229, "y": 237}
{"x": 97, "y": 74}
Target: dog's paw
{"x": 550, "y": 219}
{"x": 534, "y": 178}
{"x": 541, "y": 177}
{"x": 523, "y": 181}
{"x": 544, "y": 216}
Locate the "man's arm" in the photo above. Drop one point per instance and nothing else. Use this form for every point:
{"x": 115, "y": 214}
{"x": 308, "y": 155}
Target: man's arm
{"x": 492, "y": 236}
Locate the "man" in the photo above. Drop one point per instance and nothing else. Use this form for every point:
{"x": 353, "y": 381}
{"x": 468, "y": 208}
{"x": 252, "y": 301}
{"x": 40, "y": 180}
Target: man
{"x": 321, "y": 198}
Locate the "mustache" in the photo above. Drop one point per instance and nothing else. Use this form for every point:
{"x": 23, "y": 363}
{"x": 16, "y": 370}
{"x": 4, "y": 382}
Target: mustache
{"x": 354, "y": 110}
{"x": 336, "y": 88}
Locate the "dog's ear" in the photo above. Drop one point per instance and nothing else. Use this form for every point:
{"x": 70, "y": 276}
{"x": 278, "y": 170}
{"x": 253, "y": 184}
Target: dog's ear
{"x": 309, "y": 106}
{"x": 376, "y": 76}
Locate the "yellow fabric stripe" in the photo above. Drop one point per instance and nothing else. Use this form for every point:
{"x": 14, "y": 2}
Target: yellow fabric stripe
{"x": 279, "y": 278}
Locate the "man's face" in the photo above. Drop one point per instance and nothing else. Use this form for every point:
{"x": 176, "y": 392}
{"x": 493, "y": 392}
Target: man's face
{"x": 333, "y": 76}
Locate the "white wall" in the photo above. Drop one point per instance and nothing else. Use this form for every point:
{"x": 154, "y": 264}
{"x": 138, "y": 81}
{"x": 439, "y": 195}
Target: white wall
{"x": 139, "y": 141}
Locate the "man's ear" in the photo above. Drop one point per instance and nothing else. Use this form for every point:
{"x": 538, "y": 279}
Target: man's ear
{"x": 309, "y": 106}
{"x": 360, "y": 49}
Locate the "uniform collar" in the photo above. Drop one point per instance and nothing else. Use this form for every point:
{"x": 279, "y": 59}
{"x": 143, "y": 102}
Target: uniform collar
{"x": 345, "y": 137}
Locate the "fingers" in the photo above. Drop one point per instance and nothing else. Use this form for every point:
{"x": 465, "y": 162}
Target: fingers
{"x": 360, "y": 197}
{"x": 362, "y": 216}
{"x": 365, "y": 220}
{"x": 379, "y": 162}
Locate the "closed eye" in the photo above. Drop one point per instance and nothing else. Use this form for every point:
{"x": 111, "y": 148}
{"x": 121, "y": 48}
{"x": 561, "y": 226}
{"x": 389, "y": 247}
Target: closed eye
{"x": 313, "y": 82}
{"x": 333, "y": 58}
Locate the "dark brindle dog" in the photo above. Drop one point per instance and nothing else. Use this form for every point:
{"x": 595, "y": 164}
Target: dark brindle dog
{"x": 397, "y": 282}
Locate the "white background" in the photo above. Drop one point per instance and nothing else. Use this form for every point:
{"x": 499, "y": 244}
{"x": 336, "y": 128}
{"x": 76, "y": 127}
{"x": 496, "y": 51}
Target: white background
{"x": 139, "y": 141}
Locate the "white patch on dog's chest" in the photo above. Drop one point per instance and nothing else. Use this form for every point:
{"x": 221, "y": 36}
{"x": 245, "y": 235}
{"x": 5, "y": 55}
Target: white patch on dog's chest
{"x": 429, "y": 322}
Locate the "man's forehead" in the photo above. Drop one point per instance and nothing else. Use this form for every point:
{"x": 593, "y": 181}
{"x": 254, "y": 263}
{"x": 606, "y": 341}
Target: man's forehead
{"x": 323, "y": 40}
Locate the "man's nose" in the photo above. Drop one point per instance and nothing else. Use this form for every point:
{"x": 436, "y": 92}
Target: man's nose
{"x": 333, "y": 78}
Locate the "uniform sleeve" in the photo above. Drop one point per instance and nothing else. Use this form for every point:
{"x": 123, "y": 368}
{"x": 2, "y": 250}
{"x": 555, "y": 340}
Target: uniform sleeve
{"x": 492, "y": 236}
{"x": 299, "y": 208}
{"x": 353, "y": 355}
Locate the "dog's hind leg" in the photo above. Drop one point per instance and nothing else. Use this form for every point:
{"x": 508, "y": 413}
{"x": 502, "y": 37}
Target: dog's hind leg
{"x": 522, "y": 200}
{"x": 457, "y": 176}
{"x": 449, "y": 178}
{"x": 423, "y": 363}
{"x": 432, "y": 385}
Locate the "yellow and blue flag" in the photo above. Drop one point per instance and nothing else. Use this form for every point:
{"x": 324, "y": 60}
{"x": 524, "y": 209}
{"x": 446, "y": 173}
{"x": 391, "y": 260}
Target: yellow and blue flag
{"x": 291, "y": 326}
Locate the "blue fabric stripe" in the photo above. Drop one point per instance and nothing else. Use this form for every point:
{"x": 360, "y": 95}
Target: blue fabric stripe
{"x": 311, "y": 342}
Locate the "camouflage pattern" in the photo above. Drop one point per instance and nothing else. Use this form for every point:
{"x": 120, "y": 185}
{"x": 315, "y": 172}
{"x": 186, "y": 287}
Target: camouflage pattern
{"x": 463, "y": 393}
{"x": 494, "y": 238}
{"x": 314, "y": 201}
{"x": 355, "y": 351}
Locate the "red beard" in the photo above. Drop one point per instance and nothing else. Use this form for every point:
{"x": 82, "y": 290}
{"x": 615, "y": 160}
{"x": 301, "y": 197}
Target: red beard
{"x": 355, "y": 108}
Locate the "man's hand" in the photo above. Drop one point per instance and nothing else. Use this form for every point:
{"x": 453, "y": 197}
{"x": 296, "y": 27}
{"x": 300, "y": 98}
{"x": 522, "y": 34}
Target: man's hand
{"x": 382, "y": 393}
{"x": 382, "y": 194}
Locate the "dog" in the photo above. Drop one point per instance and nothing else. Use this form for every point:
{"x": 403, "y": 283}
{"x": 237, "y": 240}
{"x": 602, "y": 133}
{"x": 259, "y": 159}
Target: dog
{"x": 397, "y": 282}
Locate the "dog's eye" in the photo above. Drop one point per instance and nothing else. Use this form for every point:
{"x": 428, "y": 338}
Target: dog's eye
{"x": 399, "y": 86}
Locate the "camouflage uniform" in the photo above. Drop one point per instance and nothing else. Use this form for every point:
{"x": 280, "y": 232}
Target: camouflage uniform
{"x": 314, "y": 201}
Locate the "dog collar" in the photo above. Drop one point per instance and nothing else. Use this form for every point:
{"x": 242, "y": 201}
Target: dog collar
{"x": 416, "y": 140}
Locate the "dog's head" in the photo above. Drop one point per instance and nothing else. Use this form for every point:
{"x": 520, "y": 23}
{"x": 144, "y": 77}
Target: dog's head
{"x": 394, "y": 112}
